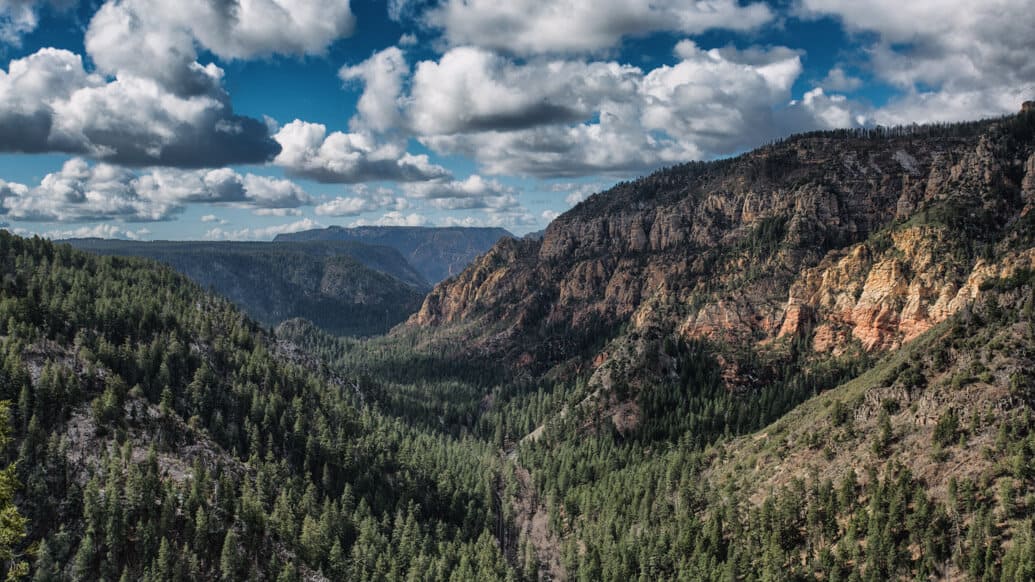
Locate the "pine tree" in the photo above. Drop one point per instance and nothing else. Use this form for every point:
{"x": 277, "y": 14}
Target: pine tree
{"x": 289, "y": 573}
{"x": 882, "y": 440}
{"x": 12, "y": 523}
{"x": 231, "y": 559}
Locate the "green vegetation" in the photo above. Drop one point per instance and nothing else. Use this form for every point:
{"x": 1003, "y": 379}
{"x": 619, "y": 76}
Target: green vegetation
{"x": 158, "y": 433}
{"x": 346, "y": 288}
{"x": 161, "y": 436}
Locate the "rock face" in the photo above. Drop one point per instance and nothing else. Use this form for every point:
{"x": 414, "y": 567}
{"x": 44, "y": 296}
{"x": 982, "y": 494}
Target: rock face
{"x": 888, "y": 298}
{"x": 849, "y": 238}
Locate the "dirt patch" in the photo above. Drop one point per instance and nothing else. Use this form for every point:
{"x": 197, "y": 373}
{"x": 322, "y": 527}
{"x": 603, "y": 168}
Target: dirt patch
{"x": 533, "y": 523}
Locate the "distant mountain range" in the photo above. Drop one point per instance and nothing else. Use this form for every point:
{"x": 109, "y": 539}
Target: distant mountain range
{"x": 346, "y": 288}
{"x": 436, "y": 253}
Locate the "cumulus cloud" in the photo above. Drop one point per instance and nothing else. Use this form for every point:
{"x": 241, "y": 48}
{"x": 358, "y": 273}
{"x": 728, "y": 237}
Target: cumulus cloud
{"x": 261, "y": 233}
{"x": 98, "y": 231}
{"x": 20, "y": 17}
{"x": 473, "y": 193}
{"x": 157, "y": 39}
{"x": 577, "y": 192}
{"x": 952, "y": 59}
{"x": 603, "y": 117}
{"x": 156, "y": 104}
{"x": 382, "y": 76}
{"x": 518, "y": 222}
{"x": 308, "y": 151}
{"x": 554, "y": 26}
{"x": 365, "y": 200}
{"x": 394, "y": 218}
{"x": 548, "y": 216}
{"x": 471, "y": 89}
{"x": 48, "y": 102}
{"x": 838, "y": 79}
{"x": 818, "y": 109}
{"x": 281, "y": 212}
{"x": 81, "y": 192}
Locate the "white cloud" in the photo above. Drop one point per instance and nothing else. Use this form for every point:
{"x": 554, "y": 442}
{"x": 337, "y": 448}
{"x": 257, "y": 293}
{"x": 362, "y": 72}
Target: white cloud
{"x": 348, "y": 158}
{"x": 98, "y": 231}
{"x": 49, "y": 103}
{"x": 208, "y": 218}
{"x": 470, "y": 89}
{"x": 157, "y": 39}
{"x": 516, "y": 222}
{"x": 952, "y": 59}
{"x": 274, "y": 193}
{"x": 473, "y": 193}
{"x": 394, "y": 218}
{"x": 365, "y": 200}
{"x": 554, "y": 26}
{"x": 572, "y": 118}
{"x": 262, "y": 233}
{"x": 838, "y": 79}
{"x": 80, "y": 192}
{"x": 158, "y": 105}
{"x": 473, "y": 187}
{"x": 577, "y": 192}
{"x": 382, "y": 76}
{"x": 816, "y": 108}
{"x": 17, "y": 18}
{"x": 282, "y": 212}
{"x": 20, "y": 17}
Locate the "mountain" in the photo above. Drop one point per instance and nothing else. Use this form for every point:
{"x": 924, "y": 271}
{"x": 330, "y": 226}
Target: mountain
{"x": 347, "y": 288}
{"x": 437, "y": 253}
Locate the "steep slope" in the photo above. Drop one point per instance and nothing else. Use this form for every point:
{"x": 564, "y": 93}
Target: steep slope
{"x": 919, "y": 469}
{"x": 344, "y": 287}
{"x": 437, "y": 253}
{"x": 160, "y": 434}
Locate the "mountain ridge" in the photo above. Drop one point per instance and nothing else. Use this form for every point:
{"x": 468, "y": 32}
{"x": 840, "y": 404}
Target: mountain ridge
{"x": 437, "y": 252}
{"x": 345, "y": 287}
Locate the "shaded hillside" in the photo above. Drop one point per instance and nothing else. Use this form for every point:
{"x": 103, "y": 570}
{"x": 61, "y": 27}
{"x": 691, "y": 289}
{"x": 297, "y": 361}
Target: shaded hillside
{"x": 344, "y": 287}
{"x": 436, "y": 252}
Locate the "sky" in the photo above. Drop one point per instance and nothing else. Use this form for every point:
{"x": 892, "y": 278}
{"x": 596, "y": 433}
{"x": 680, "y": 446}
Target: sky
{"x": 242, "y": 119}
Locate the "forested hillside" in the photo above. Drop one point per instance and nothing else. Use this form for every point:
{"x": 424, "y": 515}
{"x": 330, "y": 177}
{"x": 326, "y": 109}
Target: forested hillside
{"x": 161, "y": 435}
{"x": 346, "y": 288}
{"x": 812, "y": 361}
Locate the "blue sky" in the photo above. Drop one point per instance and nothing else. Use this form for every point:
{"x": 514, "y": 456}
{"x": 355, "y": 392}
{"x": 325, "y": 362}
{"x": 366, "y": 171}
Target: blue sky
{"x": 240, "y": 119}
